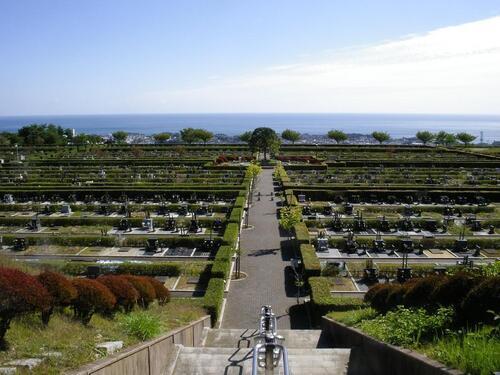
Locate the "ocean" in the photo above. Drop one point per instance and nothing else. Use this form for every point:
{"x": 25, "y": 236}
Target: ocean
{"x": 397, "y": 125}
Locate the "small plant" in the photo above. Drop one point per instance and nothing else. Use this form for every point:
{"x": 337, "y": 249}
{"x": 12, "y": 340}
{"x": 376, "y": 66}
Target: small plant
{"x": 141, "y": 324}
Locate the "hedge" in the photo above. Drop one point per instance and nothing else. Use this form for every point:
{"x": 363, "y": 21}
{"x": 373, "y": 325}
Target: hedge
{"x": 310, "y": 260}
{"x": 231, "y": 234}
{"x": 301, "y": 233}
{"x": 143, "y": 269}
{"x": 214, "y": 295}
{"x": 221, "y": 268}
{"x": 235, "y": 216}
{"x": 224, "y": 253}
{"x": 239, "y": 202}
{"x": 323, "y": 302}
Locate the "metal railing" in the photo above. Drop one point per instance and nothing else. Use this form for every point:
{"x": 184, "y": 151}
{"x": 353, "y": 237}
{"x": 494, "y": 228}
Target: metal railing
{"x": 269, "y": 349}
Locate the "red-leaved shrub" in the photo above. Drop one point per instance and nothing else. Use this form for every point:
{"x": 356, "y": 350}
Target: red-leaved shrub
{"x": 483, "y": 301}
{"x": 92, "y": 297}
{"x": 376, "y": 296}
{"x": 20, "y": 293}
{"x": 453, "y": 290}
{"x": 419, "y": 294}
{"x": 162, "y": 293}
{"x": 125, "y": 293}
{"x": 146, "y": 290}
{"x": 60, "y": 288}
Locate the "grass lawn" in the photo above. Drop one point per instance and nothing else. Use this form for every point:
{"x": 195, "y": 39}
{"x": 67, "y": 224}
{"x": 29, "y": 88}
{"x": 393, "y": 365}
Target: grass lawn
{"x": 342, "y": 284}
{"x": 28, "y": 338}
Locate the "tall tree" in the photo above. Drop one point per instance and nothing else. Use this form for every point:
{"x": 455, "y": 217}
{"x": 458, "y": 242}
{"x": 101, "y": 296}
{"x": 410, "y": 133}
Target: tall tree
{"x": 290, "y": 135}
{"x": 264, "y": 140}
{"x": 119, "y": 136}
{"x": 162, "y": 137}
{"x": 337, "y": 135}
{"x": 466, "y": 138}
{"x": 381, "y": 137}
{"x": 425, "y": 136}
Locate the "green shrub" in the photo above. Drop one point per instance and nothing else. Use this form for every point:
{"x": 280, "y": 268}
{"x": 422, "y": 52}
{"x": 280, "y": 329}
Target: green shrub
{"x": 377, "y": 296}
{"x": 239, "y": 202}
{"x": 408, "y": 327}
{"x": 225, "y": 252}
{"x": 310, "y": 260}
{"x": 235, "y": 216}
{"x": 452, "y": 291}
{"x": 214, "y": 295}
{"x": 141, "y": 324}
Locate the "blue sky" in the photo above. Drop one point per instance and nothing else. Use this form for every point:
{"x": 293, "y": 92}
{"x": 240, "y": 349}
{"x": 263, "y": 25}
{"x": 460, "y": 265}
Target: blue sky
{"x": 80, "y": 57}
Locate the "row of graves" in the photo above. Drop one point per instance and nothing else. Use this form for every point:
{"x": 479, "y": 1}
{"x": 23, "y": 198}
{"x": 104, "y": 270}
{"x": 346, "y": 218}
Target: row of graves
{"x": 387, "y": 203}
{"x": 106, "y": 202}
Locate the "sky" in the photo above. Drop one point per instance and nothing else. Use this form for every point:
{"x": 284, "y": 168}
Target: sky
{"x": 218, "y": 56}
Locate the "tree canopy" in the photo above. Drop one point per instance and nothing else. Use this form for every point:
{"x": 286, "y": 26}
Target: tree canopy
{"x": 381, "y": 137}
{"x": 245, "y": 137}
{"x": 120, "y": 136}
{"x": 466, "y": 138}
{"x": 290, "y": 135}
{"x": 44, "y": 134}
{"x": 425, "y": 136}
{"x": 337, "y": 135}
{"x": 264, "y": 140}
{"x": 162, "y": 137}
{"x": 191, "y": 135}
{"x": 444, "y": 138}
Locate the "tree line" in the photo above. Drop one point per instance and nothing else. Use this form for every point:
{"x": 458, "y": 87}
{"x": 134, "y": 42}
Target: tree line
{"x": 50, "y": 134}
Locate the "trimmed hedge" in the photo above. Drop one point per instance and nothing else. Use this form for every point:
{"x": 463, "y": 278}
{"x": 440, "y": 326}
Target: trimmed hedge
{"x": 214, "y": 295}
{"x": 323, "y": 302}
{"x": 310, "y": 260}
{"x": 301, "y": 233}
{"x": 239, "y": 202}
{"x": 221, "y": 268}
{"x": 235, "y": 216}
{"x": 231, "y": 234}
{"x": 142, "y": 269}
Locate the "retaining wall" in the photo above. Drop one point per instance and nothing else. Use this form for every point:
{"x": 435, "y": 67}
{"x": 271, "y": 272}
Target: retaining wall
{"x": 373, "y": 357}
{"x": 148, "y": 358}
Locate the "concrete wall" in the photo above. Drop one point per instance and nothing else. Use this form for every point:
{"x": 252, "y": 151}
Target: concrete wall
{"x": 370, "y": 356}
{"x": 151, "y": 357}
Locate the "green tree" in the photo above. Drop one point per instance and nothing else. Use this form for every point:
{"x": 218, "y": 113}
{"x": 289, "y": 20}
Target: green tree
{"x": 289, "y": 217}
{"x": 254, "y": 170}
{"x": 119, "y": 136}
{"x": 444, "y": 138}
{"x": 203, "y": 135}
{"x": 162, "y": 137}
{"x": 381, "y": 137}
{"x": 43, "y": 134}
{"x": 87, "y": 139}
{"x": 466, "y": 138}
{"x": 290, "y": 135}
{"x": 337, "y": 135}
{"x": 425, "y": 136}
{"x": 189, "y": 135}
{"x": 264, "y": 140}
{"x": 245, "y": 137}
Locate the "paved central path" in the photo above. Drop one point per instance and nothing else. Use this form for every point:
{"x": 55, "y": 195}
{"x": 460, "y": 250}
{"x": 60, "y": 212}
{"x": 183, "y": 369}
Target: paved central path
{"x": 267, "y": 266}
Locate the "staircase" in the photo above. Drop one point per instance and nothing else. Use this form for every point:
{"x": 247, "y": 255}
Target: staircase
{"x": 230, "y": 351}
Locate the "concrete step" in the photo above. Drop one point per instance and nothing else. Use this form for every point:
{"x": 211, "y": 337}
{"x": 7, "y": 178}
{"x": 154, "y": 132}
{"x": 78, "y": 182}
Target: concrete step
{"x": 244, "y": 338}
{"x": 229, "y": 361}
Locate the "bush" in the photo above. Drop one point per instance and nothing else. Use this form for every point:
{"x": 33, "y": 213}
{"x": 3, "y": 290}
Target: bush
{"x": 419, "y": 294}
{"x": 377, "y": 296}
{"x": 92, "y": 297}
{"x": 20, "y": 293}
{"x": 395, "y": 296}
{"x": 146, "y": 290}
{"x": 142, "y": 325}
{"x": 61, "y": 290}
{"x": 161, "y": 291}
{"x": 125, "y": 293}
{"x": 220, "y": 268}
{"x": 214, "y": 295}
{"x": 452, "y": 291}
{"x": 149, "y": 269}
{"x": 310, "y": 260}
{"x": 236, "y": 214}
{"x": 483, "y": 301}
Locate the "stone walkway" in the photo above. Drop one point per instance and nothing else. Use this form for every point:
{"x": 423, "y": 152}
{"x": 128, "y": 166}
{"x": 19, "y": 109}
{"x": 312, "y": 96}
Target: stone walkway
{"x": 267, "y": 267}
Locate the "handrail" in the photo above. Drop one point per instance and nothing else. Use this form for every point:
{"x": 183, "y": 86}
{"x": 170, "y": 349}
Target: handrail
{"x": 269, "y": 341}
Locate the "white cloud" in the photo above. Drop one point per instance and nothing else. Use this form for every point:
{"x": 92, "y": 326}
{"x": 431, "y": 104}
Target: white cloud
{"x": 449, "y": 70}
